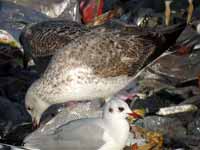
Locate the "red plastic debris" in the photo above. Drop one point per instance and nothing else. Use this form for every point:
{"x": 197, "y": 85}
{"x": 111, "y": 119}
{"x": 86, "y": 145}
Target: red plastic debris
{"x": 90, "y": 9}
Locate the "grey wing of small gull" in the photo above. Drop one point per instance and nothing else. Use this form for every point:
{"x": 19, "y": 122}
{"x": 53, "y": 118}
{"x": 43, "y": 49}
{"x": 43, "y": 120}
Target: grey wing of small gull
{"x": 10, "y": 147}
{"x": 90, "y": 109}
{"x": 76, "y": 135}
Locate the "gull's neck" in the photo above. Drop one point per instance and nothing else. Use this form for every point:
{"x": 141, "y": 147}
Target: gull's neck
{"x": 119, "y": 128}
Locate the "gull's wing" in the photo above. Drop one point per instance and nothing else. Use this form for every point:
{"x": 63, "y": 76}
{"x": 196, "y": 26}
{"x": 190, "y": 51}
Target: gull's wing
{"x": 77, "y": 135}
{"x": 10, "y": 147}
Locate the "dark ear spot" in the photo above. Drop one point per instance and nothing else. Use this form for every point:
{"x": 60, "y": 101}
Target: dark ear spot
{"x": 121, "y": 109}
{"x": 110, "y": 110}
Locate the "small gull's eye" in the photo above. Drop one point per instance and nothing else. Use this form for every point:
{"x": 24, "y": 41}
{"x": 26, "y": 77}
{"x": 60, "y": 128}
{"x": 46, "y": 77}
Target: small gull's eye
{"x": 121, "y": 109}
{"x": 53, "y": 115}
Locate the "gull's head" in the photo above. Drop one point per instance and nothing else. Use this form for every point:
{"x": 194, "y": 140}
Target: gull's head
{"x": 116, "y": 109}
{"x": 35, "y": 105}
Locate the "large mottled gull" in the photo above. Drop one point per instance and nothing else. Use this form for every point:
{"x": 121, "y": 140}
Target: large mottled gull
{"x": 94, "y": 66}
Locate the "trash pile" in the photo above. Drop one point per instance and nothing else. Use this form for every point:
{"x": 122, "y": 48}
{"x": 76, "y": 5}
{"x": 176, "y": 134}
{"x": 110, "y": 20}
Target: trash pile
{"x": 64, "y": 61}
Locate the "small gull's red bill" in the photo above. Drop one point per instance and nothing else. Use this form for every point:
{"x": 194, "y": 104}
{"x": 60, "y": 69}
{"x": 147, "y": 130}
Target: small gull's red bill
{"x": 135, "y": 115}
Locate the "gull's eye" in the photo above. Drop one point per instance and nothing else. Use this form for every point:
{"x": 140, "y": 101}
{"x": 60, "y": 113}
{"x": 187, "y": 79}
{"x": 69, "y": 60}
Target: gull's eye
{"x": 121, "y": 109}
{"x": 110, "y": 110}
{"x": 53, "y": 115}
{"x": 29, "y": 108}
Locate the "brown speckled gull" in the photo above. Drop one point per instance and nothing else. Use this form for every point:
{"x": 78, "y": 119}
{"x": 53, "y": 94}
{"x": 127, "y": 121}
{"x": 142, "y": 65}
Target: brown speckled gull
{"x": 93, "y": 66}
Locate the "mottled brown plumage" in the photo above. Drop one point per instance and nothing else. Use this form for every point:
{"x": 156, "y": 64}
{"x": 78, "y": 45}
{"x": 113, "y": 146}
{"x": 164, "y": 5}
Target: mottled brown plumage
{"x": 95, "y": 65}
{"x": 42, "y": 39}
{"x": 108, "y": 54}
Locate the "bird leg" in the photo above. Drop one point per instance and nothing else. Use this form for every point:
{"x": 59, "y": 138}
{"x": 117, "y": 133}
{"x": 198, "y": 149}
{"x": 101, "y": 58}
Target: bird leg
{"x": 71, "y": 104}
{"x": 95, "y": 103}
{"x": 190, "y": 11}
{"x": 167, "y": 12}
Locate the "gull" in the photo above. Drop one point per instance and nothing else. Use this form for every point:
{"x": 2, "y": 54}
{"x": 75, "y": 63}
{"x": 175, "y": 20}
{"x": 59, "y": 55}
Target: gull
{"x": 95, "y": 66}
{"x": 109, "y": 132}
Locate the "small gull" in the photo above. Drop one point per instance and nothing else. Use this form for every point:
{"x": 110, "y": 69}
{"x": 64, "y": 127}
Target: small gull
{"x": 109, "y": 132}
